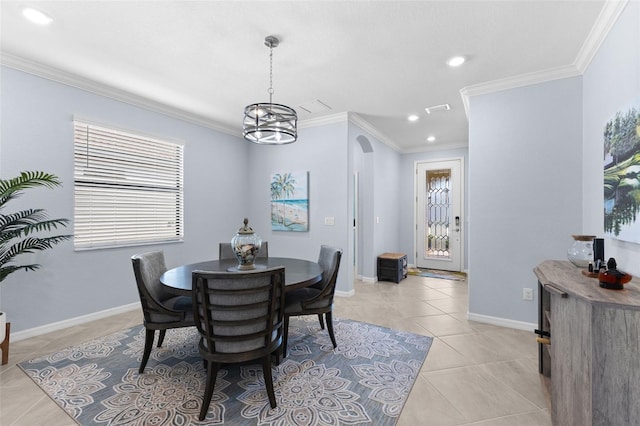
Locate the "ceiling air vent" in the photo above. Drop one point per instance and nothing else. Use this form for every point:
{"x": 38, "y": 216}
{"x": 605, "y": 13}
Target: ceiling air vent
{"x": 314, "y": 106}
{"x": 443, "y": 107}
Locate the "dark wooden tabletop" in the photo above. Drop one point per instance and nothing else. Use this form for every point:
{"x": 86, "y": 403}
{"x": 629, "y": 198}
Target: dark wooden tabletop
{"x": 297, "y": 272}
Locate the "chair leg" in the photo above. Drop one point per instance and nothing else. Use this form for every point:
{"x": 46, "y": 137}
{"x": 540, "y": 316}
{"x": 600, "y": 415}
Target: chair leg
{"x": 212, "y": 373}
{"x": 330, "y": 328}
{"x": 148, "y": 344}
{"x": 321, "y": 319}
{"x": 277, "y": 355}
{"x": 286, "y": 336}
{"x": 161, "y": 339}
{"x": 268, "y": 380}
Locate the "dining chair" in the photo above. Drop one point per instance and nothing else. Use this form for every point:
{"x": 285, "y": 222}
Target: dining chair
{"x": 318, "y": 298}
{"x": 226, "y": 252}
{"x": 161, "y": 310}
{"x": 240, "y": 317}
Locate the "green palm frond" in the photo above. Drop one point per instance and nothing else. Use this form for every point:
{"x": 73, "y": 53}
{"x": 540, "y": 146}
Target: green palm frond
{"x": 28, "y": 221}
{"x": 11, "y": 188}
{"x": 6, "y": 270}
{"x": 17, "y": 229}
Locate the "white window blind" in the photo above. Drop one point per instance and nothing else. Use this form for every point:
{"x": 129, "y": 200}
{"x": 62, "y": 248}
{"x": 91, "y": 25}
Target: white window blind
{"x": 128, "y": 188}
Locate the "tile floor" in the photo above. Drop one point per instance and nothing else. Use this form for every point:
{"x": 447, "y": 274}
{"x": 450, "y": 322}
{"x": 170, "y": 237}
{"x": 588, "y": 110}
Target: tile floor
{"x": 475, "y": 374}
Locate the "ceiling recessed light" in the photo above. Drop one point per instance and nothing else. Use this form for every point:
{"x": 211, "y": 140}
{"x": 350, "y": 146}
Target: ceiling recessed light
{"x": 36, "y": 16}
{"x": 431, "y": 139}
{"x": 456, "y": 61}
{"x": 413, "y": 117}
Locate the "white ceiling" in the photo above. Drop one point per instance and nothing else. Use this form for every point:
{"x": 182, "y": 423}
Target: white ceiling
{"x": 377, "y": 60}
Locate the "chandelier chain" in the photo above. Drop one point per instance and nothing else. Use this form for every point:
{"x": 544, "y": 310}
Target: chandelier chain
{"x": 270, "y": 74}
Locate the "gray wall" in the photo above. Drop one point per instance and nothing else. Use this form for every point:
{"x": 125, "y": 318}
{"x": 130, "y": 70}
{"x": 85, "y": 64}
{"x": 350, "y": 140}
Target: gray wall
{"x": 322, "y": 151}
{"x": 380, "y": 185}
{"x": 525, "y": 190}
{"x": 611, "y": 83}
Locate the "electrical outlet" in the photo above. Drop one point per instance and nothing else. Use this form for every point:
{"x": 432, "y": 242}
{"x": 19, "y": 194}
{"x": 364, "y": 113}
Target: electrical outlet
{"x": 527, "y": 294}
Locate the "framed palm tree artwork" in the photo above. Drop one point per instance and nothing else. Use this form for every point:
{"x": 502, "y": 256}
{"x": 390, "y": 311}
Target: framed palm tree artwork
{"x": 622, "y": 174}
{"x": 290, "y": 201}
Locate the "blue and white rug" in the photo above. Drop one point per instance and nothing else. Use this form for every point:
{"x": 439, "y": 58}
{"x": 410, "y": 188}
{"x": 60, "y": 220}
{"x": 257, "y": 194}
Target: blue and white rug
{"x": 364, "y": 381}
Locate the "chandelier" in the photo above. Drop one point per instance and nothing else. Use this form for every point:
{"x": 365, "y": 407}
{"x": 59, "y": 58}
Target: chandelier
{"x": 269, "y": 123}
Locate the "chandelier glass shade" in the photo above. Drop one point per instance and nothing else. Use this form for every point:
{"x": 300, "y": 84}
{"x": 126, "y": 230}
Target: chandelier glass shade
{"x": 269, "y": 123}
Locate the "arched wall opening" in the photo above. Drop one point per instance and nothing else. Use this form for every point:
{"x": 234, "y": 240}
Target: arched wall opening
{"x": 363, "y": 207}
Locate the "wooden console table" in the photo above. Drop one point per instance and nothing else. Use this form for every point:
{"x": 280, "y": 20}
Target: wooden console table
{"x": 593, "y": 353}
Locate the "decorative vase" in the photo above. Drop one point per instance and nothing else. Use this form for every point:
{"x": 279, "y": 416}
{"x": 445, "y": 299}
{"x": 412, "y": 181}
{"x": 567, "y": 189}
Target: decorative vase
{"x": 581, "y": 251}
{"x": 246, "y": 245}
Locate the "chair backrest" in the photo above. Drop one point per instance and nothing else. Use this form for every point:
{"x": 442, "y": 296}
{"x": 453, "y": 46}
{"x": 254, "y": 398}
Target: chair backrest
{"x": 240, "y": 316}
{"x": 226, "y": 252}
{"x": 147, "y": 268}
{"x": 329, "y": 260}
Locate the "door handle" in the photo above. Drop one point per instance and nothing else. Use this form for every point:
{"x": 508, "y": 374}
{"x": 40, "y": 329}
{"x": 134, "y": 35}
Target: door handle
{"x": 457, "y": 219}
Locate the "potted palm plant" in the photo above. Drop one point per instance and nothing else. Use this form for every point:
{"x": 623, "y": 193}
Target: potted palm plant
{"x": 18, "y": 230}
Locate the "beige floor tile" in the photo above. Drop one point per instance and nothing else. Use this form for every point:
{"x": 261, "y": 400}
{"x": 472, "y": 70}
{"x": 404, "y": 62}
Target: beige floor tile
{"x": 426, "y": 406}
{"x": 44, "y": 412}
{"x": 475, "y": 325}
{"x": 442, "y": 283}
{"x": 416, "y": 308}
{"x": 444, "y": 325}
{"x": 518, "y": 342}
{"x": 522, "y": 377}
{"x": 442, "y": 356}
{"x": 459, "y": 290}
{"x": 534, "y": 418}
{"x": 451, "y": 305}
{"x": 477, "y": 394}
{"x": 481, "y": 348}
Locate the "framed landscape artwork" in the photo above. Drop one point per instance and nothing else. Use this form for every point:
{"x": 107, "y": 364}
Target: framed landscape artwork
{"x": 290, "y": 201}
{"x": 622, "y": 174}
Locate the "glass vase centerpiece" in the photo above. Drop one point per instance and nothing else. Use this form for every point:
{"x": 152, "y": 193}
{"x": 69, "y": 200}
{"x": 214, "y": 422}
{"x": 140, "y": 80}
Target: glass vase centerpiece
{"x": 245, "y": 246}
{"x": 580, "y": 253}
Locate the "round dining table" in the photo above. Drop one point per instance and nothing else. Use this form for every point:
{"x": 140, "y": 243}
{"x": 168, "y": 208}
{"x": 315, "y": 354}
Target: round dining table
{"x": 298, "y": 273}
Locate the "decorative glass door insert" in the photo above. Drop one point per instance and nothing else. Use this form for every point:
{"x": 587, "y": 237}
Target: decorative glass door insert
{"x": 438, "y": 213}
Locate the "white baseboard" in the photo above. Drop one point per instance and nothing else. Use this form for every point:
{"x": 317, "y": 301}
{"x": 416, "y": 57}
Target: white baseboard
{"x": 368, "y": 279}
{"x": 502, "y": 322}
{"x": 54, "y": 326}
{"x": 345, "y": 293}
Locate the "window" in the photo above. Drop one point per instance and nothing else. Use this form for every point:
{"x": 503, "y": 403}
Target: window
{"x": 128, "y": 188}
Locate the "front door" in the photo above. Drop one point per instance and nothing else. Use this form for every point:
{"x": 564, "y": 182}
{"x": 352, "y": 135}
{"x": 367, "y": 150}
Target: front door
{"x": 439, "y": 215}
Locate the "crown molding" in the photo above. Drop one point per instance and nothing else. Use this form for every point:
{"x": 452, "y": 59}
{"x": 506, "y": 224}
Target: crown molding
{"x": 368, "y": 127}
{"x": 74, "y": 80}
{"x": 321, "y": 121}
{"x": 605, "y": 21}
{"x": 608, "y": 16}
{"x": 516, "y": 81}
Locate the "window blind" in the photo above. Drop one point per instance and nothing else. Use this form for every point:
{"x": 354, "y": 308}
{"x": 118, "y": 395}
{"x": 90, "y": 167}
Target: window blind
{"x": 128, "y": 188}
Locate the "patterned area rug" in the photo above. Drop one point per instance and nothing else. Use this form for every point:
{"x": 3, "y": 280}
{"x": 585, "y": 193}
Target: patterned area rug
{"x": 364, "y": 381}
